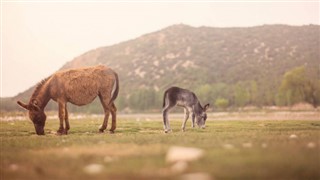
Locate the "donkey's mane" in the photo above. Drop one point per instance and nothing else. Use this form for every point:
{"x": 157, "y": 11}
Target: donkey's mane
{"x": 39, "y": 87}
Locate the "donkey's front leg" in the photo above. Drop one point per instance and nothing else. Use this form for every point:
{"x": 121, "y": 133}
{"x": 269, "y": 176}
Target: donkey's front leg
{"x": 186, "y": 116}
{"x": 67, "y": 120}
{"x": 193, "y": 118}
{"x": 62, "y": 115}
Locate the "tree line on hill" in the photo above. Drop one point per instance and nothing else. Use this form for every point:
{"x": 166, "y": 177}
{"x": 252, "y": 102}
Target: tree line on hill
{"x": 294, "y": 87}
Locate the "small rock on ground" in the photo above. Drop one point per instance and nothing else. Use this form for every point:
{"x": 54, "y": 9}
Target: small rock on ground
{"x": 178, "y": 153}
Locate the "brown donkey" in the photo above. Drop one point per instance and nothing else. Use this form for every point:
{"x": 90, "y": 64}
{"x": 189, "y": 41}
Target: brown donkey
{"x": 79, "y": 87}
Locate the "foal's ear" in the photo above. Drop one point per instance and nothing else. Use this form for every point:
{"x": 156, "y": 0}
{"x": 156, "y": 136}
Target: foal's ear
{"x": 25, "y": 106}
{"x": 206, "y": 107}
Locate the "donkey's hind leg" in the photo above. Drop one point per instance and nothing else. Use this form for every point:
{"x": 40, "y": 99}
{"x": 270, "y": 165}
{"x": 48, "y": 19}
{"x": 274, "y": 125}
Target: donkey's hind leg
{"x": 113, "y": 110}
{"x": 105, "y": 121}
{"x": 165, "y": 112}
{"x": 104, "y": 102}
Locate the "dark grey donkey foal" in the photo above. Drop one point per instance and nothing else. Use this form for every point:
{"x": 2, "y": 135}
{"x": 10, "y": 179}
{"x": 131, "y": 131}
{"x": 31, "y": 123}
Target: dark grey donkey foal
{"x": 176, "y": 96}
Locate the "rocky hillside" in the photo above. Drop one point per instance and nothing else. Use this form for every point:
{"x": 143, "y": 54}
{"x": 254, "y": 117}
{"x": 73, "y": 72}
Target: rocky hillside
{"x": 186, "y": 56}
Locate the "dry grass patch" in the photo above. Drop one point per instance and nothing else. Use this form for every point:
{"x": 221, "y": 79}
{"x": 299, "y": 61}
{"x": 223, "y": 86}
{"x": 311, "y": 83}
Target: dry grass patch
{"x": 103, "y": 150}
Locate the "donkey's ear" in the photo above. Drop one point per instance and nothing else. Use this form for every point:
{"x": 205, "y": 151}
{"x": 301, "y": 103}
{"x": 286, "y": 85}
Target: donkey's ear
{"x": 35, "y": 105}
{"x": 25, "y": 106}
{"x": 206, "y": 107}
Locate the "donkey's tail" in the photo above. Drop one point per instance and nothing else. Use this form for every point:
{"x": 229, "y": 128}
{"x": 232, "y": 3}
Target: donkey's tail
{"x": 115, "y": 89}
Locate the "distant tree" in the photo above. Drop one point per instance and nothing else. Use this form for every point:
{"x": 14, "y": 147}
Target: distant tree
{"x": 312, "y": 90}
{"x": 143, "y": 99}
{"x": 210, "y": 92}
{"x": 241, "y": 95}
{"x": 254, "y": 98}
{"x": 297, "y": 87}
{"x": 221, "y": 103}
{"x": 121, "y": 102}
{"x": 205, "y": 93}
{"x": 221, "y": 90}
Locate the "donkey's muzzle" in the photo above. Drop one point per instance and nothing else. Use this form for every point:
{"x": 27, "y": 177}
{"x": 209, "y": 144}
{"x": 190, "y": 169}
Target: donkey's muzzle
{"x": 40, "y": 133}
{"x": 39, "y": 130}
{"x": 201, "y": 126}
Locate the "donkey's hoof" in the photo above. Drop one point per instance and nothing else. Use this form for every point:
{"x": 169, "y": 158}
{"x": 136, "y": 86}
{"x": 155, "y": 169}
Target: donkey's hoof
{"x": 167, "y": 131}
{"x": 59, "y": 133}
{"x": 101, "y": 131}
{"x": 62, "y": 132}
{"x": 111, "y": 131}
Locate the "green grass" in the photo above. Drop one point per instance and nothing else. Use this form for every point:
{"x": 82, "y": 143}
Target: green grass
{"x": 138, "y": 150}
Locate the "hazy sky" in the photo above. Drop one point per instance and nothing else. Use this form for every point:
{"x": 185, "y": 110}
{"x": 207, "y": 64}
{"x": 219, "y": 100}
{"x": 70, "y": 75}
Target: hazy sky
{"x": 38, "y": 38}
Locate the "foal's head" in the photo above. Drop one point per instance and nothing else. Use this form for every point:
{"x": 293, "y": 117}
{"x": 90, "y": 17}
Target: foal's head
{"x": 36, "y": 114}
{"x": 201, "y": 115}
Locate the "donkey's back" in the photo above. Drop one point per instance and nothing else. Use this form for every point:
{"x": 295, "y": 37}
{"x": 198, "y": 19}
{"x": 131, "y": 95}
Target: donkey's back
{"x": 81, "y": 86}
{"x": 180, "y": 97}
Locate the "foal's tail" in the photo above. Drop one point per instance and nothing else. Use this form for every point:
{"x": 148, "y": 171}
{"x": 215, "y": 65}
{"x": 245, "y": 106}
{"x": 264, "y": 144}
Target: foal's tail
{"x": 115, "y": 90}
{"x": 164, "y": 99}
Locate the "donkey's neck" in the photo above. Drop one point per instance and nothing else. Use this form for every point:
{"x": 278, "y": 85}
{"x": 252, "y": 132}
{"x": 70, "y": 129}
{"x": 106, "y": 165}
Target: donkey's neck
{"x": 197, "y": 108}
{"x": 41, "y": 93}
{"x": 43, "y": 99}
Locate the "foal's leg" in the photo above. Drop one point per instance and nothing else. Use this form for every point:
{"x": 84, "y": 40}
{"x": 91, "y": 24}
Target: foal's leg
{"x": 62, "y": 115}
{"x": 193, "y": 118}
{"x": 186, "y": 116}
{"x": 166, "y": 124}
{"x": 113, "y": 110}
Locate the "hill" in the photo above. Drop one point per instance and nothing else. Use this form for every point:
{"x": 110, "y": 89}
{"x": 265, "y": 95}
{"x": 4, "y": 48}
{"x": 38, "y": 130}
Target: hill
{"x": 216, "y": 62}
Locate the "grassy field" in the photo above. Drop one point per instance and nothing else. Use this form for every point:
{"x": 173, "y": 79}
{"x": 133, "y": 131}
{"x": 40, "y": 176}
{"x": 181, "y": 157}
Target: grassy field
{"x": 233, "y": 149}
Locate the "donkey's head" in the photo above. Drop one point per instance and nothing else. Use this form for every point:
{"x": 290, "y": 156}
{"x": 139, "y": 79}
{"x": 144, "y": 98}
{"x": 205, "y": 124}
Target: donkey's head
{"x": 36, "y": 114}
{"x": 201, "y": 115}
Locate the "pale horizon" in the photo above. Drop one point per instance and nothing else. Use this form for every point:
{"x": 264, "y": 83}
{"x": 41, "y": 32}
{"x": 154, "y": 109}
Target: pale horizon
{"x": 39, "y": 38}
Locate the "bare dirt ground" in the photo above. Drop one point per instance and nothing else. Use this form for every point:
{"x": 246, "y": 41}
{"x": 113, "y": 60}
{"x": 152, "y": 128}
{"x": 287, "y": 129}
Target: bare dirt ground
{"x": 215, "y": 116}
{"x": 278, "y": 115}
